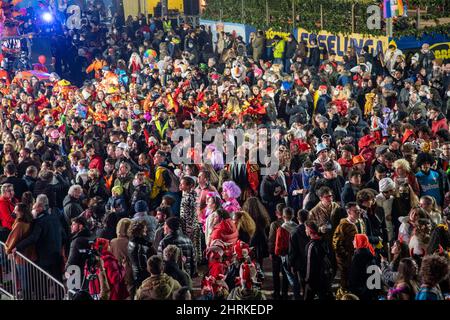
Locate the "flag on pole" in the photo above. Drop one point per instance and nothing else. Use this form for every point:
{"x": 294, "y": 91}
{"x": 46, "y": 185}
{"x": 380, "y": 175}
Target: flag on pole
{"x": 394, "y": 8}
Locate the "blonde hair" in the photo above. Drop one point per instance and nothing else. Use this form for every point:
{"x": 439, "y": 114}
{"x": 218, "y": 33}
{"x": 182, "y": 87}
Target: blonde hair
{"x": 402, "y": 163}
{"x": 122, "y": 227}
{"x": 94, "y": 173}
{"x": 245, "y": 222}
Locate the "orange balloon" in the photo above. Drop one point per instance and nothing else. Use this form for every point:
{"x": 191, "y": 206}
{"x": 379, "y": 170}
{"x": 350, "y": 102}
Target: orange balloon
{"x": 42, "y": 59}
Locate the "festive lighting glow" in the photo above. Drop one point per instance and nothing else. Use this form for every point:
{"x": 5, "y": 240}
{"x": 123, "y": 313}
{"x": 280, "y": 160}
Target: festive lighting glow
{"x": 47, "y": 17}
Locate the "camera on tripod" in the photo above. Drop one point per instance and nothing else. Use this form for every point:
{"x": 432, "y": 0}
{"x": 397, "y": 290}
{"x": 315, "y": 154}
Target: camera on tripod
{"x": 92, "y": 260}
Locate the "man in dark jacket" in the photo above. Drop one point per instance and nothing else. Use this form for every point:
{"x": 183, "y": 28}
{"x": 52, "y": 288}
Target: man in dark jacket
{"x": 19, "y": 185}
{"x": 351, "y": 187}
{"x": 330, "y": 179}
{"x": 72, "y": 208}
{"x": 30, "y": 177}
{"x": 175, "y": 236}
{"x": 314, "y": 54}
{"x": 46, "y": 235}
{"x": 44, "y": 186}
{"x": 291, "y": 48}
{"x": 72, "y": 203}
{"x": 79, "y": 244}
{"x": 276, "y": 260}
{"x": 63, "y": 183}
{"x": 374, "y": 220}
{"x": 297, "y": 246}
{"x": 272, "y": 192}
{"x": 25, "y": 161}
{"x": 296, "y": 109}
{"x": 318, "y": 275}
{"x": 380, "y": 173}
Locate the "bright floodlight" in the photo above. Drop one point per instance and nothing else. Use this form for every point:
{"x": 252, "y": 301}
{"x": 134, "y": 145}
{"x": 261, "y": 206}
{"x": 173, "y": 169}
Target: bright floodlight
{"x": 47, "y": 17}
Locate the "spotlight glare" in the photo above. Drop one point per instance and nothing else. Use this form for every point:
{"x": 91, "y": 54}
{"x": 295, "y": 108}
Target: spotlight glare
{"x": 47, "y": 17}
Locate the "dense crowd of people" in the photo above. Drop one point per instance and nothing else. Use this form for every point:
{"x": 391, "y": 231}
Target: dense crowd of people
{"x": 363, "y": 177}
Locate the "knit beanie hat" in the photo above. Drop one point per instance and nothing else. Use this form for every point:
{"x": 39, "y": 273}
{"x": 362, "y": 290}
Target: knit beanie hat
{"x": 141, "y": 206}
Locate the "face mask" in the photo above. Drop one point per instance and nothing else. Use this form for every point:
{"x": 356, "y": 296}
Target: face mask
{"x": 135, "y": 183}
{"x": 137, "y": 112}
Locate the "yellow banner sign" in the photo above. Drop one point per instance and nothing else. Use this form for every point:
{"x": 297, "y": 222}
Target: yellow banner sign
{"x": 270, "y": 34}
{"x": 441, "y": 50}
{"x": 340, "y": 43}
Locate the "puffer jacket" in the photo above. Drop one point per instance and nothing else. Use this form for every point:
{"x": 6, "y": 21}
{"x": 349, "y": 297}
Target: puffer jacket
{"x": 139, "y": 251}
{"x": 178, "y": 239}
{"x": 157, "y": 287}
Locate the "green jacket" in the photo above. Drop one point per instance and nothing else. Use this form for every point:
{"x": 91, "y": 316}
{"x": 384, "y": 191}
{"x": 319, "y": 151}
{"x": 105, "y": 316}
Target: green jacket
{"x": 278, "y": 50}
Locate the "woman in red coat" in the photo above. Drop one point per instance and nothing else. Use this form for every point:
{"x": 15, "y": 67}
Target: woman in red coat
{"x": 6, "y": 210}
{"x": 114, "y": 271}
{"x": 225, "y": 230}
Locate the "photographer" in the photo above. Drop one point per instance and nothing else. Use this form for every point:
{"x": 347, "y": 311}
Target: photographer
{"x": 107, "y": 274}
{"x": 79, "y": 244}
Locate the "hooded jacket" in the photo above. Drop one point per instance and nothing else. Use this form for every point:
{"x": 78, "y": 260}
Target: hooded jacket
{"x": 225, "y": 231}
{"x": 157, "y": 287}
{"x": 283, "y": 236}
{"x": 115, "y": 275}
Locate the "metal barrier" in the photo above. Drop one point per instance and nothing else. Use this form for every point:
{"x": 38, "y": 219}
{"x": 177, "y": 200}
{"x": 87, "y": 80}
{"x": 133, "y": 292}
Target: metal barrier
{"x": 22, "y": 279}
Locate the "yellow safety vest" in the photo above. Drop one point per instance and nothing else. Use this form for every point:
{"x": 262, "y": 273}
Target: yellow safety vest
{"x": 161, "y": 131}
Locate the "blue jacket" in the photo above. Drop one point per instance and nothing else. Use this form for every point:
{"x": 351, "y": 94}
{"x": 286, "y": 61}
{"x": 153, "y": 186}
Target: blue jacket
{"x": 322, "y": 104}
{"x": 347, "y": 195}
{"x": 119, "y": 204}
{"x": 431, "y": 185}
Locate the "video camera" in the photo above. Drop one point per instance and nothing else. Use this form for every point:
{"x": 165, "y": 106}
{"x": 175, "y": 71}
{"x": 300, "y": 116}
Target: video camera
{"x": 93, "y": 257}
